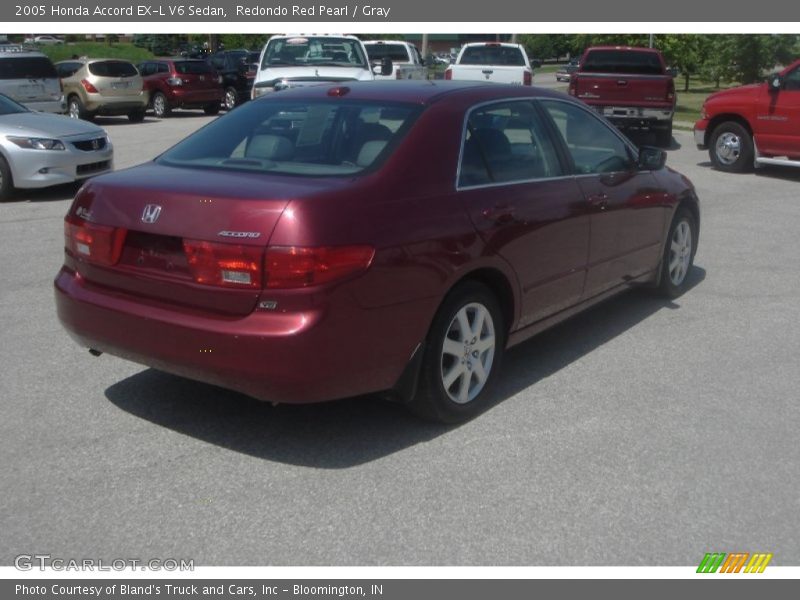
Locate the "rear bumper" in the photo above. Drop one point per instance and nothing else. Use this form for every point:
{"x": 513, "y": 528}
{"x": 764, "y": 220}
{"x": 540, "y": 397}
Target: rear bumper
{"x": 110, "y": 106}
{"x": 188, "y": 98}
{"x": 636, "y": 115}
{"x": 292, "y": 357}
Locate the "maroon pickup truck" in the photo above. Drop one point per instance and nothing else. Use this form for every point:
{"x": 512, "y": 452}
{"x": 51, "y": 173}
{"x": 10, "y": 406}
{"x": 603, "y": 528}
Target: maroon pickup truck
{"x": 631, "y": 87}
{"x": 753, "y": 125}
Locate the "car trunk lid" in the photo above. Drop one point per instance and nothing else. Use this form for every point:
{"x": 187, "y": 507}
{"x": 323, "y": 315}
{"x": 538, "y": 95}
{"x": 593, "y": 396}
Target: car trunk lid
{"x": 161, "y": 209}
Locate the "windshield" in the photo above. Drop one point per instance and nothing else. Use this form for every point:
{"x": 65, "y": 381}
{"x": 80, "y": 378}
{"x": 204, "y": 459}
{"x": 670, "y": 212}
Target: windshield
{"x": 9, "y": 107}
{"x": 112, "y": 68}
{"x": 314, "y": 51}
{"x": 622, "y": 61}
{"x": 304, "y": 138}
{"x": 493, "y": 55}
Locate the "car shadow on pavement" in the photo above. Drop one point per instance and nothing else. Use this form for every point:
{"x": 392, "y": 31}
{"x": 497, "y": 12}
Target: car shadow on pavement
{"x": 354, "y": 431}
{"x": 767, "y": 171}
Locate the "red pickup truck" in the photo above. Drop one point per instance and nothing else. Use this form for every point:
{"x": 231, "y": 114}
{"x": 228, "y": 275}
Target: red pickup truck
{"x": 753, "y": 125}
{"x": 631, "y": 87}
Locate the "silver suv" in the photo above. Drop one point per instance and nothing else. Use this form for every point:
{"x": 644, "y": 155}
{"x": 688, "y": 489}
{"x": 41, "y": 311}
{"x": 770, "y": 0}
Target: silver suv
{"x": 31, "y": 79}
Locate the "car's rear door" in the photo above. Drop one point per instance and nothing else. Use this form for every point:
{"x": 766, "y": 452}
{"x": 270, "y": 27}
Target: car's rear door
{"x": 524, "y": 205}
{"x": 628, "y": 206}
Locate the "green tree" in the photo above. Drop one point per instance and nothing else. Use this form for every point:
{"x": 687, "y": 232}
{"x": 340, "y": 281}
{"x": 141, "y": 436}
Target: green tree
{"x": 686, "y": 52}
{"x": 747, "y": 58}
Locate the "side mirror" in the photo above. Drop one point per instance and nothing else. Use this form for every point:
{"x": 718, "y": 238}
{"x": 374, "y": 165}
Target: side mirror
{"x": 651, "y": 158}
{"x": 775, "y": 83}
{"x": 672, "y": 72}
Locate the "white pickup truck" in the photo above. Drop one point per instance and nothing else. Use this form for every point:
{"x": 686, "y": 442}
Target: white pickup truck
{"x": 289, "y": 61}
{"x": 407, "y": 62}
{"x": 492, "y": 61}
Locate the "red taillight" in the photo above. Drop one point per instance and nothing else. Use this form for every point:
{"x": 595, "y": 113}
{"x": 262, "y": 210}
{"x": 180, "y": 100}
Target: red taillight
{"x": 671, "y": 90}
{"x": 228, "y": 265}
{"x": 573, "y": 85}
{"x": 448, "y": 74}
{"x": 294, "y": 267}
{"x": 99, "y": 244}
{"x": 88, "y": 86}
{"x": 527, "y": 78}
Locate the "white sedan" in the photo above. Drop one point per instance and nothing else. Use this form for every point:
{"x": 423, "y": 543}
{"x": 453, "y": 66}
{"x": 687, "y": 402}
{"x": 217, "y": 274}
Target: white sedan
{"x": 39, "y": 149}
{"x": 45, "y": 40}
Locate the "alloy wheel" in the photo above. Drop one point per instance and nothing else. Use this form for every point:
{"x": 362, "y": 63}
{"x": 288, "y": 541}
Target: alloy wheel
{"x": 680, "y": 252}
{"x": 468, "y": 353}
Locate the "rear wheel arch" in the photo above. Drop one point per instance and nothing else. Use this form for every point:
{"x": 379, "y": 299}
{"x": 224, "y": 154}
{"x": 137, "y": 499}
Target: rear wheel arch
{"x": 498, "y": 284}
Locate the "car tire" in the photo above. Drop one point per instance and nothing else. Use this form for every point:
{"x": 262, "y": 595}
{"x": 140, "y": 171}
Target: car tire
{"x": 231, "y": 99}
{"x": 76, "y": 109}
{"x": 136, "y": 116}
{"x": 664, "y": 136}
{"x": 211, "y": 109}
{"x": 459, "y": 368}
{"x": 161, "y": 107}
{"x": 678, "y": 256}
{"x": 731, "y": 148}
{"x": 6, "y": 181}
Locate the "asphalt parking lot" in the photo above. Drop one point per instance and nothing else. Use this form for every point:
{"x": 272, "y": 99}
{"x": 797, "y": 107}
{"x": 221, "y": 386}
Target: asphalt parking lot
{"x": 643, "y": 432}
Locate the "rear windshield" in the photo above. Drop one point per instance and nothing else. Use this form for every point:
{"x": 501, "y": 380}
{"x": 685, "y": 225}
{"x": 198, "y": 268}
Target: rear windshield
{"x": 191, "y": 67}
{"x": 397, "y": 52}
{"x": 493, "y": 55}
{"x": 112, "y": 68}
{"x": 314, "y": 51}
{"x": 622, "y": 61}
{"x": 36, "y": 67}
{"x": 303, "y": 138}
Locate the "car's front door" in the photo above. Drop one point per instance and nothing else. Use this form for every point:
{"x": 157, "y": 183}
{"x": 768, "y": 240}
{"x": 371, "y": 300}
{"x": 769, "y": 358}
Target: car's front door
{"x": 778, "y": 117}
{"x": 628, "y": 207}
{"x": 524, "y": 204}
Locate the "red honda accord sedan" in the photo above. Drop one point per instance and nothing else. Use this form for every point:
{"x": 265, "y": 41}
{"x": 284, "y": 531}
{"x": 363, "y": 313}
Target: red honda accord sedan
{"x": 332, "y": 241}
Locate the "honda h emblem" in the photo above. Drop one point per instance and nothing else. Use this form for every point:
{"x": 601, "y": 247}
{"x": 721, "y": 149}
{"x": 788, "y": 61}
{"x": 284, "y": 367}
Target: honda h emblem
{"x": 95, "y": 144}
{"x": 150, "y": 213}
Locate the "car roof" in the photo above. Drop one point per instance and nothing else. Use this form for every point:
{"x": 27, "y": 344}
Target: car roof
{"x": 25, "y": 54}
{"x": 494, "y": 44}
{"x": 633, "y": 48}
{"x": 421, "y": 91}
{"x": 84, "y": 60}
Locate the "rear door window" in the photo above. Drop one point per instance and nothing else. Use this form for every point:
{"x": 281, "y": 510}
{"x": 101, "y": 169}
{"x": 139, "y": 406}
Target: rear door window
{"x": 593, "y": 145}
{"x": 505, "y": 143}
{"x": 68, "y": 69}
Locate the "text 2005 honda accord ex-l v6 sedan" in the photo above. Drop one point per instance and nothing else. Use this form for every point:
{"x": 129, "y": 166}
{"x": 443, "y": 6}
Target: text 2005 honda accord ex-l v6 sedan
{"x": 325, "y": 242}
